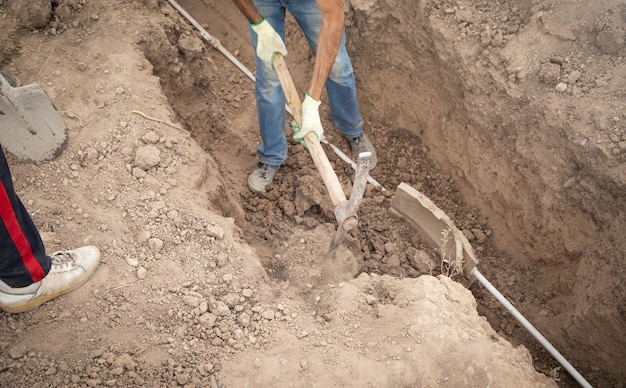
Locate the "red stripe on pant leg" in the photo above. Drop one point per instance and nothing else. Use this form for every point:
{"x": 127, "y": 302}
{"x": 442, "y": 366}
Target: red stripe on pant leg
{"x": 17, "y": 235}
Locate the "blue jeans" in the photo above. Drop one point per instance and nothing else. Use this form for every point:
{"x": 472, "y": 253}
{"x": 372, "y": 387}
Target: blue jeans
{"x": 270, "y": 100}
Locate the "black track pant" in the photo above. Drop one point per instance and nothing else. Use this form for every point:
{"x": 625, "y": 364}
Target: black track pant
{"x": 23, "y": 259}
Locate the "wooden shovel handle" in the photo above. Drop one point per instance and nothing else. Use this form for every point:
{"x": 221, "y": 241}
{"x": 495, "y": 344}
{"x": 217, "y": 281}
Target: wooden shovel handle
{"x": 313, "y": 145}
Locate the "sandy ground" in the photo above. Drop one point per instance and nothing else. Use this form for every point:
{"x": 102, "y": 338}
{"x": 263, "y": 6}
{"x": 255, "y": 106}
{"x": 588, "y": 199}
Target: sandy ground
{"x": 205, "y": 284}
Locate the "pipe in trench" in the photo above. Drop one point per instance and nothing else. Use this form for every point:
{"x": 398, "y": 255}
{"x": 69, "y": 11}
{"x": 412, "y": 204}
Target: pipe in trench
{"x": 531, "y": 329}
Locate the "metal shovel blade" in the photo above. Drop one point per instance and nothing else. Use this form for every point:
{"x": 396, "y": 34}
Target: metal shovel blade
{"x": 30, "y": 126}
{"x": 346, "y": 212}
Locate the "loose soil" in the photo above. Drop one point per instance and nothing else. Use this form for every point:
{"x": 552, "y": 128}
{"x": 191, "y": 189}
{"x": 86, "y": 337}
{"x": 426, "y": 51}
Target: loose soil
{"x": 509, "y": 115}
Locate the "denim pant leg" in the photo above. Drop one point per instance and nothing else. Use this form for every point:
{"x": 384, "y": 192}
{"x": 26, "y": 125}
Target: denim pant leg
{"x": 270, "y": 99}
{"x": 340, "y": 86}
{"x": 23, "y": 260}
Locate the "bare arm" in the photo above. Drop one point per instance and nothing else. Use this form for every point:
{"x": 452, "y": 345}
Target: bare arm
{"x": 327, "y": 43}
{"x": 249, "y": 10}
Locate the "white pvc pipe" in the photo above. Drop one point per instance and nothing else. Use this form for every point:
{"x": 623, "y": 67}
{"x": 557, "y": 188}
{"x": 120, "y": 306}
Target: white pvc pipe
{"x": 572, "y": 371}
{"x": 212, "y": 40}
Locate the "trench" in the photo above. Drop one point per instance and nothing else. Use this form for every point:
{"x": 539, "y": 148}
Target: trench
{"x": 534, "y": 240}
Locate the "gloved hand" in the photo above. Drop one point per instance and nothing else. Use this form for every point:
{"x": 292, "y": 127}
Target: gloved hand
{"x": 268, "y": 42}
{"x": 310, "y": 120}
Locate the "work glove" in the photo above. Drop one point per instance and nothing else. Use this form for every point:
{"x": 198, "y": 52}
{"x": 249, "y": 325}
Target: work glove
{"x": 268, "y": 42}
{"x": 310, "y": 120}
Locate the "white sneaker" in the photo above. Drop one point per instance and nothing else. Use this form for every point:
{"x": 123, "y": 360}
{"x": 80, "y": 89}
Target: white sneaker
{"x": 70, "y": 269}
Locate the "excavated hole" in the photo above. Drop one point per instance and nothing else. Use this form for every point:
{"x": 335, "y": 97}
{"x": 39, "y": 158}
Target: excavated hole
{"x": 215, "y": 101}
{"x": 387, "y": 245}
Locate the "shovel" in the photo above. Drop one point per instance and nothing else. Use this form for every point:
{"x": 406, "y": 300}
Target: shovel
{"x": 345, "y": 210}
{"x": 30, "y": 126}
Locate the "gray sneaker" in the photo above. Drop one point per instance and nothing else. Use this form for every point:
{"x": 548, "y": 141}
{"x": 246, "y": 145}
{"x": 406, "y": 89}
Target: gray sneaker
{"x": 69, "y": 270}
{"x": 261, "y": 177}
{"x": 363, "y": 144}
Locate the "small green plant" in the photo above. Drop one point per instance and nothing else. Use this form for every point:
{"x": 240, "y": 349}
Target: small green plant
{"x": 449, "y": 267}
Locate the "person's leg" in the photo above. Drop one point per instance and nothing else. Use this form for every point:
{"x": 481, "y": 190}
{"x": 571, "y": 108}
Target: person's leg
{"x": 270, "y": 98}
{"x": 341, "y": 89}
{"x": 341, "y": 86}
{"x": 28, "y": 277}
{"x": 23, "y": 260}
